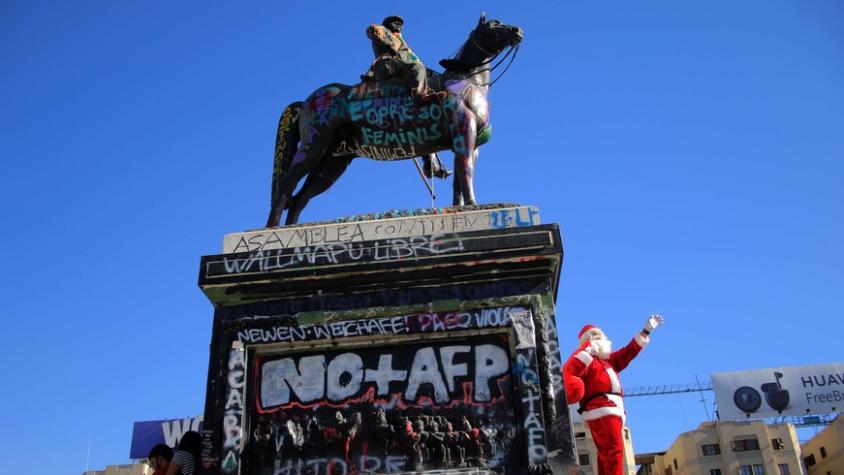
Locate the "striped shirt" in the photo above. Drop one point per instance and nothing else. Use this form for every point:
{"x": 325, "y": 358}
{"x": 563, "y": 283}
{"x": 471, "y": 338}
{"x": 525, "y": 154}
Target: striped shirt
{"x": 185, "y": 462}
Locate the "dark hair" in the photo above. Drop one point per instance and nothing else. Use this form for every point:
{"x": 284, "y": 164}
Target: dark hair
{"x": 161, "y": 450}
{"x": 191, "y": 442}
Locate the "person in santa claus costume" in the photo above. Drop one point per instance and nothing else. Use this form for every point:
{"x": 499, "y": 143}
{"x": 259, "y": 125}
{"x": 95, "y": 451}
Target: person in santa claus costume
{"x": 590, "y": 377}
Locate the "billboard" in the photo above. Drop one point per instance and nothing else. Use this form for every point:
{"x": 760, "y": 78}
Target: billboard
{"x": 784, "y": 391}
{"x": 146, "y": 434}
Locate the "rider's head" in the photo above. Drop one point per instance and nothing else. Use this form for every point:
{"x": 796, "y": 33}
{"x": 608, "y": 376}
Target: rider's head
{"x": 393, "y": 23}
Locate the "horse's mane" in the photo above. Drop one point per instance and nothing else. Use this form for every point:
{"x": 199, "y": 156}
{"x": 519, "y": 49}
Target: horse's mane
{"x": 455, "y": 65}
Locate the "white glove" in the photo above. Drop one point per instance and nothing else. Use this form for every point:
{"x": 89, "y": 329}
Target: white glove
{"x": 653, "y": 322}
{"x": 592, "y": 349}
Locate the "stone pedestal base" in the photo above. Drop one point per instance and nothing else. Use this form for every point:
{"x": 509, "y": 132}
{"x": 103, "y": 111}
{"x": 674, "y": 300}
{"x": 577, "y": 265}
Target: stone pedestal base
{"x": 385, "y": 346}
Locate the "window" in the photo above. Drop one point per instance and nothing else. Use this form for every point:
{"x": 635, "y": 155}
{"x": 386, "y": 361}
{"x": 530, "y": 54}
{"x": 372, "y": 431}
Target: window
{"x": 744, "y": 445}
{"x": 777, "y": 444}
{"x": 580, "y": 435}
{"x": 809, "y": 461}
{"x": 758, "y": 469}
{"x": 584, "y": 459}
{"x": 626, "y": 434}
{"x": 675, "y": 464}
{"x": 715, "y": 471}
{"x": 823, "y": 452}
{"x": 746, "y": 470}
{"x": 710, "y": 449}
{"x": 784, "y": 469}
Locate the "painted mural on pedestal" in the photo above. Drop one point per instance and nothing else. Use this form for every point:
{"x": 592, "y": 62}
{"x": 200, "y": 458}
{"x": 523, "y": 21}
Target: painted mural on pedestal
{"x": 384, "y": 408}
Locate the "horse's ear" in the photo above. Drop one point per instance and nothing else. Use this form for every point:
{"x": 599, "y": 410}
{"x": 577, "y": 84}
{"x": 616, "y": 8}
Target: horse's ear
{"x": 482, "y": 20}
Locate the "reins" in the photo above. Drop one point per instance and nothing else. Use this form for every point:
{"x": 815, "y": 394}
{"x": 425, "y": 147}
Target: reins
{"x": 513, "y": 50}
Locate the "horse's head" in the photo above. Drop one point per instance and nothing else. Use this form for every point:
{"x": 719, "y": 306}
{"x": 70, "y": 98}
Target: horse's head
{"x": 486, "y": 41}
{"x": 492, "y": 36}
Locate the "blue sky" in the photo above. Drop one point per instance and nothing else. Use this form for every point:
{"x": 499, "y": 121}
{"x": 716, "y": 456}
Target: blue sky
{"x": 691, "y": 152}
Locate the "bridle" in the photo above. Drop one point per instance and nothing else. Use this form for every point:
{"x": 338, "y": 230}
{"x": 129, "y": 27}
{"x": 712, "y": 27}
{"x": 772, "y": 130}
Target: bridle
{"x": 478, "y": 45}
{"x": 511, "y": 52}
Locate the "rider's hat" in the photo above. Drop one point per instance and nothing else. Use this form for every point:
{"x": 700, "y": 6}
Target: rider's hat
{"x": 392, "y": 19}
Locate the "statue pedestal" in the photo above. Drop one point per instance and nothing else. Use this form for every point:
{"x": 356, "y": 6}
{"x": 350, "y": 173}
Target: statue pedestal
{"x": 416, "y": 342}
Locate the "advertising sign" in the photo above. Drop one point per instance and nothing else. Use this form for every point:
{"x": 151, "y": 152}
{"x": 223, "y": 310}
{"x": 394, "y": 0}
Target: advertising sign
{"x": 147, "y": 434}
{"x": 784, "y": 391}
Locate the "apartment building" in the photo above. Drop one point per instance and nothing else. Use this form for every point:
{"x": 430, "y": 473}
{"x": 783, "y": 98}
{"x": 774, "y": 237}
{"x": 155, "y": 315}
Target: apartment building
{"x": 729, "y": 448}
{"x": 824, "y": 453}
{"x": 123, "y": 469}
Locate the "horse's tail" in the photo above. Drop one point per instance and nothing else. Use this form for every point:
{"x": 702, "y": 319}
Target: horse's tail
{"x": 286, "y": 144}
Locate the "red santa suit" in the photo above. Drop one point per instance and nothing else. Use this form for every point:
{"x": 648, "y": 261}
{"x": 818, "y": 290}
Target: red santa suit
{"x": 594, "y": 382}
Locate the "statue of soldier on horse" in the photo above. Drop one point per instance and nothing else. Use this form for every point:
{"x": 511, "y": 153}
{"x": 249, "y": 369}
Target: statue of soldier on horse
{"x": 401, "y": 110}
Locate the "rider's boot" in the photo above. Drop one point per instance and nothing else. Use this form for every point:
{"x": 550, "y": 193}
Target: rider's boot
{"x": 427, "y": 96}
{"x": 432, "y": 167}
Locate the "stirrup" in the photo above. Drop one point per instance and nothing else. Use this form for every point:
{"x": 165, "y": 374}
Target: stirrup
{"x": 428, "y": 97}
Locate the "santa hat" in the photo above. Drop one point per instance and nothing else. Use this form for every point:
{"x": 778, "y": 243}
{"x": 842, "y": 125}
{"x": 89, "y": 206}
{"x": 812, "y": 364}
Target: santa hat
{"x": 584, "y": 331}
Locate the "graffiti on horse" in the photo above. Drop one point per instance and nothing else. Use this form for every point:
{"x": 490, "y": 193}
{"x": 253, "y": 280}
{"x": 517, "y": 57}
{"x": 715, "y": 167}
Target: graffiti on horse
{"x": 318, "y": 138}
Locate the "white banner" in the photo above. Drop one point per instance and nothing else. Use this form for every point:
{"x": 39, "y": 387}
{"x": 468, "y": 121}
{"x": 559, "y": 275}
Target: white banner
{"x": 785, "y": 391}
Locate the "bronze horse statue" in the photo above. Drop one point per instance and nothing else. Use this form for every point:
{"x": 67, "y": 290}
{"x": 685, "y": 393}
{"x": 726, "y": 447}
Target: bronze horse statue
{"x": 320, "y": 136}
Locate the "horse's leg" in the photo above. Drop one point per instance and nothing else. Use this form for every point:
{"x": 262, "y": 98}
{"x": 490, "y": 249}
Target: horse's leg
{"x": 306, "y": 159}
{"x": 463, "y": 145}
{"x": 456, "y": 188}
{"x": 319, "y": 180}
{"x": 286, "y": 144}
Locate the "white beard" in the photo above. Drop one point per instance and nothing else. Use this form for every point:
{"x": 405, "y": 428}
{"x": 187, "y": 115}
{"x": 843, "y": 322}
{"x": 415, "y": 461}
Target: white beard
{"x": 604, "y": 348}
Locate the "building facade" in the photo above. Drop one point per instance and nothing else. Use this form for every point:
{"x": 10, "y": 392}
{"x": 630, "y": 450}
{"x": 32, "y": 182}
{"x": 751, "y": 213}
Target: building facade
{"x": 824, "y": 453}
{"x": 122, "y": 469}
{"x": 587, "y": 454}
{"x": 729, "y": 448}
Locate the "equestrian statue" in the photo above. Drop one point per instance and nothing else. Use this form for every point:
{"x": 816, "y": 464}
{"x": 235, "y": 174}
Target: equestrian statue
{"x": 401, "y": 110}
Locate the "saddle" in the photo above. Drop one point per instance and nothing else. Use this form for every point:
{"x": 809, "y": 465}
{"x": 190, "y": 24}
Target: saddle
{"x": 378, "y": 89}
{"x": 374, "y": 88}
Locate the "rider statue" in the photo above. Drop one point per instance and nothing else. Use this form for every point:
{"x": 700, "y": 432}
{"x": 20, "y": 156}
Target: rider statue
{"x": 394, "y": 58}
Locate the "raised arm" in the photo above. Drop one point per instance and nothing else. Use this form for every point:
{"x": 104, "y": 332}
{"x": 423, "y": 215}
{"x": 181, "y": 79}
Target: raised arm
{"x": 382, "y": 39}
{"x": 621, "y": 358}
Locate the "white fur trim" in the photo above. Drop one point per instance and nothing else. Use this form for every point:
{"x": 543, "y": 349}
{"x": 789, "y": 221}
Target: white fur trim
{"x": 589, "y": 334}
{"x": 642, "y": 340}
{"x": 614, "y": 382}
{"x": 584, "y": 357}
{"x": 616, "y": 400}
{"x": 598, "y": 412}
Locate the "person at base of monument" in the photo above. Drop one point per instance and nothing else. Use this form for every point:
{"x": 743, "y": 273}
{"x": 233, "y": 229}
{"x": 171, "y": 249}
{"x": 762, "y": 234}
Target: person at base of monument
{"x": 394, "y": 58}
{"x": 590, "y": 377}
{"x": 185, "y": 460}
{"x": 159, "y": 458}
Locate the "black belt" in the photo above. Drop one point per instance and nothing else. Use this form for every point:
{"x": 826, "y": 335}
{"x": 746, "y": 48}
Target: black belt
{"x": 591, "y": 397}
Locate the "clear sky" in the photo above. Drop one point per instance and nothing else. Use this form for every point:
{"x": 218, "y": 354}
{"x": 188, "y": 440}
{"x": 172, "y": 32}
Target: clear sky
{"x": 691, "y": 152}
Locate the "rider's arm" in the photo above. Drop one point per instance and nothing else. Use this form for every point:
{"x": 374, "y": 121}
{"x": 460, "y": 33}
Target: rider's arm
{"x": 382, "y": 39}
